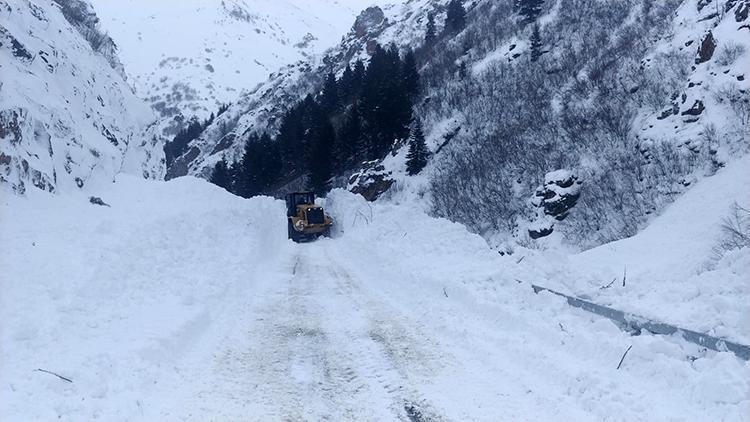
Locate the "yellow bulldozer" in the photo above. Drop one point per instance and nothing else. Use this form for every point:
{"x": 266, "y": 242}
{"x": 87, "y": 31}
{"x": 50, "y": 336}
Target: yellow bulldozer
{"x": 306, "y": 221}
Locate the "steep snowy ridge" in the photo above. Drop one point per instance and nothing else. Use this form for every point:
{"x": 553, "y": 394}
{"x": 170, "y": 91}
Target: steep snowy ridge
{"x": 67, "y": 118}
{"x": 223, "y": 47}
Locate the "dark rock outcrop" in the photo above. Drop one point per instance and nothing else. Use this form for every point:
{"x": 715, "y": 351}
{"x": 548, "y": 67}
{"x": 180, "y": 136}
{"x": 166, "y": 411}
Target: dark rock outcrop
{"x": 559, "y": 194}
{"x": 371, "y": 182}
{"x": 706, "y": 49}
{"x": 695, "y": 110}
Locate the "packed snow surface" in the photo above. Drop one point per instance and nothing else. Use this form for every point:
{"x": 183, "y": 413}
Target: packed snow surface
{"x": 179, "y": 301}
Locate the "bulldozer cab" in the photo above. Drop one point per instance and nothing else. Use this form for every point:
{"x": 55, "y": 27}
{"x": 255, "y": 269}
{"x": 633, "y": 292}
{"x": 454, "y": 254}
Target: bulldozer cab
{"x": 293, "y": 200}
{"x": 306, "y": 221}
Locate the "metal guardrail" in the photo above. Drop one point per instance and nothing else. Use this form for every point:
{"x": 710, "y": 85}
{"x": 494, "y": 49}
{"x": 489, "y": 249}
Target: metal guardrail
{"x": 637, "y": 323}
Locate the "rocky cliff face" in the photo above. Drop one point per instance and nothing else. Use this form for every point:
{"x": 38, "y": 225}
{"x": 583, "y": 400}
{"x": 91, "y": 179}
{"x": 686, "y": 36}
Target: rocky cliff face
{"x": 67, "y": 117}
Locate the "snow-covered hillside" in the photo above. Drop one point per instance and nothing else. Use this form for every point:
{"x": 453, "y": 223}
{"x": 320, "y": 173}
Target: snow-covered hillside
{"x": 261, "y": 108}
{"x": 182, "y": 302}
{"x": 186, "y": 57}
{"x": 67, "y": 117}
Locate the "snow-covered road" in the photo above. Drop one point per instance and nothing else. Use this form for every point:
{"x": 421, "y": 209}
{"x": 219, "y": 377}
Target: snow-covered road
{"x": 183, "y": 303}
{"x": 318, "y": 347}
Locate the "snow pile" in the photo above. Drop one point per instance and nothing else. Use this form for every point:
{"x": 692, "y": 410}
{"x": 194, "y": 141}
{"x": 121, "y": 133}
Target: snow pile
{"x": 179, "y": 301}
{"x": 449, "y": 281}
{"x": 113, "y": 297}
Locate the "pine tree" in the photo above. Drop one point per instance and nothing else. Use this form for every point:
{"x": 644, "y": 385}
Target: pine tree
{"x": 429, "y": 36}
{"x": 320, "y": 164}
{"x": 386, "y": 104}
{"x": 346, "y": 84}
{"x": 181, "y": 141}
{"x": 536, "y": 43}
{"x": 410, "y": 74}
{"x": 260, "y": 167}
{"x": 455, "y": 19}
{"x": 330, "y": 97}
{"x": 290, "y": 140}
{"x": 220, "y": 175}
{"x": 416, "y": 159}
{"x": 358, "y": 76}
{"x": 529, "y": 9}
{"x": 349, "y": 142}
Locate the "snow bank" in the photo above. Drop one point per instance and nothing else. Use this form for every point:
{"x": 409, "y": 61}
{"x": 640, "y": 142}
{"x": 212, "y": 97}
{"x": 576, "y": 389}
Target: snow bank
{"x": 115, "y": 297}
{"x": 450, "y": 281}
{"x": 178, "y": 301}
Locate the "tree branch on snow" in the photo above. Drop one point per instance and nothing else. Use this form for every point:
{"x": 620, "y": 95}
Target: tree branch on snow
{"x": 623, "y": 356}
{"x": 57, "y": 375}
{"x": 608, "y": 285}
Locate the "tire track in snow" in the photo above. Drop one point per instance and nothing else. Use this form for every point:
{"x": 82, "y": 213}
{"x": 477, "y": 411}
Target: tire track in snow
{"x": 316, "y": 346}
{"x": 385, "y": 348}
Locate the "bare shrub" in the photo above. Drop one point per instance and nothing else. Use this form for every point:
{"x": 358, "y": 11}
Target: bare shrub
{"x": 735, "y": 229}
{"x": 82, "y": 17}
{"x": 729, "y": 53}
{"x": 738, "y": 100}
{"x": 665, "y": 77}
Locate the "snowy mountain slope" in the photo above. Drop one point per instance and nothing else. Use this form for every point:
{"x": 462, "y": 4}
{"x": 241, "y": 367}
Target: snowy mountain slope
{"x": 261, "y": 108}
{"x": 67, "y": 118}
{"x": 237, "y": 323}
{"x": 185, "y": 58}
{"x": 591, "y": 104}
{"x": 623, "y": 97}
{"x": 709, "y": 111}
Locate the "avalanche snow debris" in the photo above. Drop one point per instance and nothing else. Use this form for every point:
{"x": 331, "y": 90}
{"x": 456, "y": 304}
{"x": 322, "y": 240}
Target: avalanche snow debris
{"x": 152, "y": 331}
